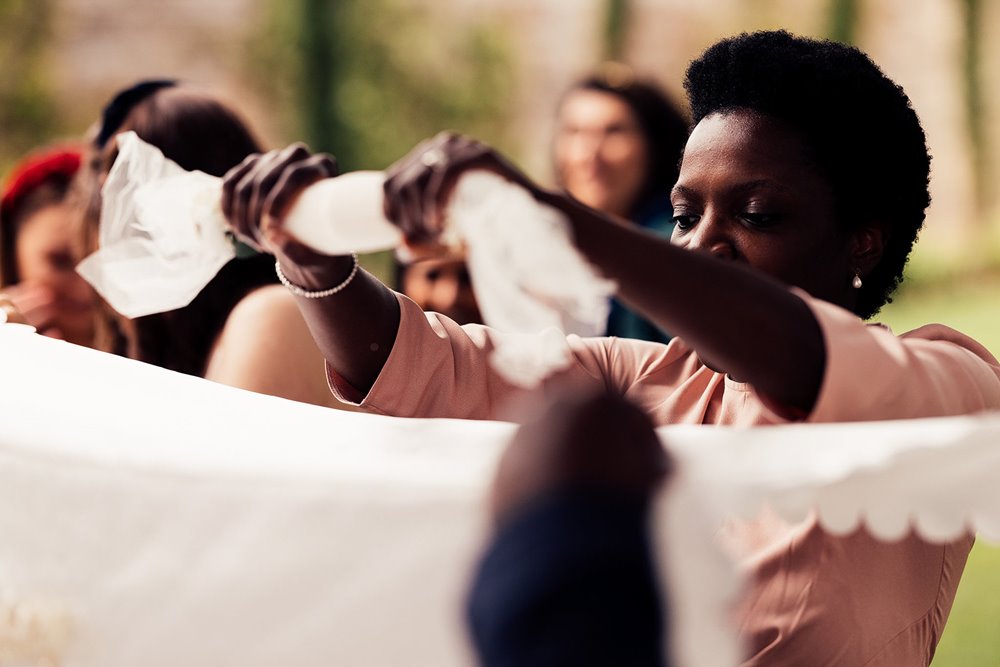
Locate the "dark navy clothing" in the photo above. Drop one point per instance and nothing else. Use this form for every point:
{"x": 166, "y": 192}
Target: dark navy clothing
{"x": 569, "y": 581}
{"x": 656, "y": 217}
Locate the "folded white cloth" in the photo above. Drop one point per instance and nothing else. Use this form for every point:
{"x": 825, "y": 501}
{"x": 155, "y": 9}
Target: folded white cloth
{"x": 163, "y": 238}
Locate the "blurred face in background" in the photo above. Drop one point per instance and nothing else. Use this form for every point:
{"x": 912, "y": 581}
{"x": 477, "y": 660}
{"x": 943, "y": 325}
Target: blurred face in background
{"x": 46, "y": 261}
{"x": 441, "y": 285}
{"x": 600, "y": 151}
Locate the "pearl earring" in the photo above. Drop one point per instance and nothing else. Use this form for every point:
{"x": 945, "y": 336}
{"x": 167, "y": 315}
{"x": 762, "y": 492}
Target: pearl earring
{"x": 856, "y": 283}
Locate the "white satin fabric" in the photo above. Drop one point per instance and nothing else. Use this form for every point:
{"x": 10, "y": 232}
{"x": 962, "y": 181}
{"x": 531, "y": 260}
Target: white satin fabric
{"x": 154, "y": 518}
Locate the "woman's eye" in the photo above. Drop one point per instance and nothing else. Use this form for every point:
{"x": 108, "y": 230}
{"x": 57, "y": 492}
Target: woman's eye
{"x": 760, "y": 219}
{"x": 62, "y": 261}
{"x": 685, "y": 222}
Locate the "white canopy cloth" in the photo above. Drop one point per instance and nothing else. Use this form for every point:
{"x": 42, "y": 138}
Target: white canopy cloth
{"x": 154, "y": 518}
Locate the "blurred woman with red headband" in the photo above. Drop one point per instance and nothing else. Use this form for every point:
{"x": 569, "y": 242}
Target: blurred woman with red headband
{"x": 37, "y": 231}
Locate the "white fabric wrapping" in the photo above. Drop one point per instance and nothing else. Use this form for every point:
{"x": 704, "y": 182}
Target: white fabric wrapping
{"x": 153, "y": 518}
{"x": 163, "y": 238}
{"x": 527, "y": 274}
{"x": 158, "y": 519}
{"x": 936, "y": 476}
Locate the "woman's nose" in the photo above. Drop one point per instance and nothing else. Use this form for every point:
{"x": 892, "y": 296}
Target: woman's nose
{"x": 586, "y": 146}
{"x": 711, "y": 235}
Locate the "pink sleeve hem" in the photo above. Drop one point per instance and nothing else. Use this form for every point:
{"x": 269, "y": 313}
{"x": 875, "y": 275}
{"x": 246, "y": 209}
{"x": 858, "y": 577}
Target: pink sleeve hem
{"x": 346, "y": 392}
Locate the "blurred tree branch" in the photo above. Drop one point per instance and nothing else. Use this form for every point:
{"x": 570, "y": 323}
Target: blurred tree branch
{"x": 973, "y": 92}
{"x": 616, "y": 16}
{"x": 27, "y": 114}
{"x": 843, "y": 21}
{"x": 367, "y": 79}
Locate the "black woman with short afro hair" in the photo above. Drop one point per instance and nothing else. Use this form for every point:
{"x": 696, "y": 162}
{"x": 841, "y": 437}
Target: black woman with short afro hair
{"x": 858, "y": 126}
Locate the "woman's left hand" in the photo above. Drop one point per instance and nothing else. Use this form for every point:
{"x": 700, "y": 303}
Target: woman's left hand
{"x": 31, "y": 303}
{"x": 417, "y": 186}
{"x": 9, "y": 312}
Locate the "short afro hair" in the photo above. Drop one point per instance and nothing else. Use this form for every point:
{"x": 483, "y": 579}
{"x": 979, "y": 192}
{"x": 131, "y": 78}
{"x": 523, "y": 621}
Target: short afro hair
{"x": 857, "y": 125}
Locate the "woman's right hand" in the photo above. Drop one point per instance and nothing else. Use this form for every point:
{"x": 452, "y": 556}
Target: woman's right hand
{"x": 256, "y": 196}
{"x": 34, "y": 304}
{"x": 418, "y": 185}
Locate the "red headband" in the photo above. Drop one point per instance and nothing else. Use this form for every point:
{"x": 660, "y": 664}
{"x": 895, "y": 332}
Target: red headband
{"x": 34, "y": 171}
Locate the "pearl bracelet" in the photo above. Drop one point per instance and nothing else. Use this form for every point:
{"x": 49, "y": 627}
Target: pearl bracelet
{"x": 319, "y": 294}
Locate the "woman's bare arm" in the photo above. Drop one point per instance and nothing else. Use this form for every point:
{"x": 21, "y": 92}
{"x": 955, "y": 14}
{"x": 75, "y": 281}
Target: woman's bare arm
{"x": 740, "y": 321}
{"x": 354, "y": 328}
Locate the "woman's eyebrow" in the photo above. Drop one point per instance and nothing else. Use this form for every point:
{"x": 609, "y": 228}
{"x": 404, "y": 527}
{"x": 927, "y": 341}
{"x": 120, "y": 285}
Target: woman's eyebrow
{"x": 736, "y": 189}
{"x": 759, "y": 184}
{"x": 683, "y": 191}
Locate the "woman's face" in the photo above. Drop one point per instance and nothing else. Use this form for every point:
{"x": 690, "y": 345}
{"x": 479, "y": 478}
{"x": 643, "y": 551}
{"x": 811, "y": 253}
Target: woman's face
{"x": 45, "y": 258}
{"x": 748, "y": 192}
{"x": 600, "y": 151}
{"x": 442, "y": 285}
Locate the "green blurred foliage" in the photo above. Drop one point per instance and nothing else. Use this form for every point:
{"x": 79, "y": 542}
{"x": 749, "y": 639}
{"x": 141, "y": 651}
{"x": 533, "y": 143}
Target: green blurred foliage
{"x": 28, "y": 116}
{"x": 368, "y": 79}
{"x": 970, "y": 638}
{"x": 972, "y": 19}
{"x": 842, "y": 21}
{"x": 616, "y": 17}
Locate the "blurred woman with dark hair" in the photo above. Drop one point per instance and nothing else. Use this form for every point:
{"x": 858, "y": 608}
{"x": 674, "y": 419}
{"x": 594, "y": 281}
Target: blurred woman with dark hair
{"x": 617, "y": 147}
{"x": 242, "y": 329}
{"x": 37, "y": 277}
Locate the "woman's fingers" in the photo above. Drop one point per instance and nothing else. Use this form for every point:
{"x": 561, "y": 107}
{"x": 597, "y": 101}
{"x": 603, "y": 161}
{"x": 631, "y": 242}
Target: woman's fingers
{"x": 287, "y": 181}
{"x": 405, "y": 182}
{"x": 9, "y": 312}
{"x": 232, "y": 205}
{"x": 257, "y": 193}
{"x": 32, "y": 304}
{"x": 418, "y": 186}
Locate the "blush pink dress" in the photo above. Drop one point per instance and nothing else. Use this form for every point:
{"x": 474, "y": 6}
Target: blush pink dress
{"x": 814, "y": 599}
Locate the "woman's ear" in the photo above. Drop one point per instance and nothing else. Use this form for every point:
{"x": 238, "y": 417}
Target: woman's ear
{"x": 867, "y": 246}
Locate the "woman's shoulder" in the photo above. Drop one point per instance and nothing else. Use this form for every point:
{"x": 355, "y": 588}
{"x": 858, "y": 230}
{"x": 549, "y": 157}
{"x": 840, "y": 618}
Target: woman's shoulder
{"x": 941, "y": 332}
{"x": 628, "y": 361}
{"x": 263, "y": 318}
{"x": 265, "y": 302}
{"x": 265, "y": 346}
{"x": 263, "y": 327}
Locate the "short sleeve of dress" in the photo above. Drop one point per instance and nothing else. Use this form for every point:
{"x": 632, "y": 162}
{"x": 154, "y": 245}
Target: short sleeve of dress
{"x": 438, "y": 368}
{"x": 871, "y": 374}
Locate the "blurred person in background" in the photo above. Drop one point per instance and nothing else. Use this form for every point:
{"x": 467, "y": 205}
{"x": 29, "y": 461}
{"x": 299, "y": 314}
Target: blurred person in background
{"x": 37, "y": 239}
{"x": 617, "y": 148}
{"x": 437, "y": 279}
{"x": 243, "y": 329}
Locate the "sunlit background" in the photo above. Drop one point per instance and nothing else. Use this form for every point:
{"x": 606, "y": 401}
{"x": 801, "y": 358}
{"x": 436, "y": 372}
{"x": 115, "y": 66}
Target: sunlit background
{"x": 367, "y": 79}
